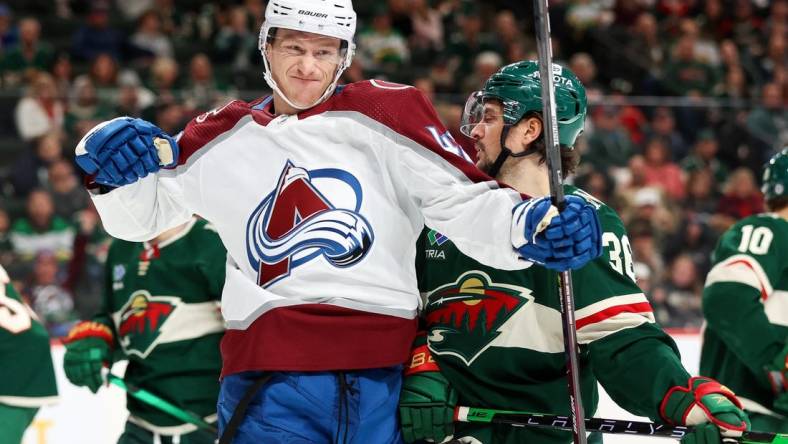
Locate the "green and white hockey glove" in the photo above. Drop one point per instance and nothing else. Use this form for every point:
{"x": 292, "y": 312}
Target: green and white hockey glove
{"x": 704, "y": 401}
{"x": 427, "y": 401}
{"x": 88, "y": 350}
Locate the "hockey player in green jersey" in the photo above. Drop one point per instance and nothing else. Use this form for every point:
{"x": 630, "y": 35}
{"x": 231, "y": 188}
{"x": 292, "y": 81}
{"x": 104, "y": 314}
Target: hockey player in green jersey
{"x": 27, "y": 377}
{"x": 494, "y": 337}
{"x": 745, "y": 343}
{"x": 161, "y": 312}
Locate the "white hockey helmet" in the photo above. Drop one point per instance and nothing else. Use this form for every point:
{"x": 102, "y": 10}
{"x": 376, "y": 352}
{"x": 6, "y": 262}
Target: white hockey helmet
{"x": 332, "y": 18}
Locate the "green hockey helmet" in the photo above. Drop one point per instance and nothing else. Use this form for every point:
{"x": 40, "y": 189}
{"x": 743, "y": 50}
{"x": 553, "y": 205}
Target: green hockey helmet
{"x": 518, "y": 87}
{"x": 775, "y": 176}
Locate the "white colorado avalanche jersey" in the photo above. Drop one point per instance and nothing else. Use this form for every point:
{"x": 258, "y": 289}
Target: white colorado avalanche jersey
{"x": 320, "y": 213}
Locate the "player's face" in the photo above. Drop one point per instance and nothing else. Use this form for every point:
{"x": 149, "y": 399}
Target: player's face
{"x": 486, "y": 135}
{"x": 303, "y": 64}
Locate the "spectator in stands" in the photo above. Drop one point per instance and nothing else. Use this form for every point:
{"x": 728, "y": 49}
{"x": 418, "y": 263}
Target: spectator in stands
{"x": 9, "y": 34}
{"x": 85, "y": 110}
{"x": 62, "y": 74}
{"x": 170, "y": 116}
{"x": 645, "y": 248}
{"x": 768, "y": 123}
{"x": 646, "y": 48}
{"x": 96, "y": 36}
{"x": 747, "y": 27}
{"x": 41, "y": 111}
{"x": 685, "y": 74}
{"x": 693, "y": 238}
{"x": 609, "y": 145}
{"x": 732, "y": 60}
{"x": 741, "y": 198}
{"x": 485, "y": 65}
{"x": 52, "y": 303}
{"x": 704, "y": 156}
{"x": 598, "y": 184}
{"x": 714, "y": 22}
{"x": 705, "y": 49}
{"x": 585, "y": 69}
{"x": 41, "y": 230}
{"x": 703, "y": 194}
{"x": 775, "y": 59}
{"x": 663, "y": 125}
{"x": 471, "y": 39}
{"x": 427, "y": 38}
{"x": 735, "y": 84}
{"x": 381, "y": 48}
{"x": 29, "y": 170}
{"x": 661, "y": 171}
{"x": 65, "y": 188}
{"x": 30, "y": 56}
{"x": 149, "y": 38}
{"x": 509, "y": 32}
{"x": 203, "y": 91}
{"x": 164, "y": 79}
{"x": 235, "y": 43}
{"x": 681, "y": 295}
{"x": 104, "y": 71}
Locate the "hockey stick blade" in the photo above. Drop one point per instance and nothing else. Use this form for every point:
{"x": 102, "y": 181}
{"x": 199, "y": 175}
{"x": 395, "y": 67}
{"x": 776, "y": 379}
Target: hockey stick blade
{"x": 601, "y": 425}
{"x": 160, "y": 404}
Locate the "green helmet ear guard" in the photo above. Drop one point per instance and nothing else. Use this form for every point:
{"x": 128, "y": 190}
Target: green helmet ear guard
{"x": 519, "y": 89}
{"x": 775, "y": 176}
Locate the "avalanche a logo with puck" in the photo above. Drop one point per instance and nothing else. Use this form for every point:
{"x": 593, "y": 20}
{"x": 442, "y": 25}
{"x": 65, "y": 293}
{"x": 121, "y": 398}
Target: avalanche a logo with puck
{"x": 311, "y": 214}
{"x": 466, "y": 316}
{"x": 143, "y": 320}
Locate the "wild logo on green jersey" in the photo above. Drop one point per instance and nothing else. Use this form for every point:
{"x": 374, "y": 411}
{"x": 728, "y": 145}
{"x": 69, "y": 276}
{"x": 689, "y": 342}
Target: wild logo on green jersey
{"x": 142, "y": 320}
{"x": 465, "y": 316}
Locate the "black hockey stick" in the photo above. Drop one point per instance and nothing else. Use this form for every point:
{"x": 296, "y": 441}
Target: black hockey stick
{"x": 601, "y": 425}
{"x": 550, "y": 130}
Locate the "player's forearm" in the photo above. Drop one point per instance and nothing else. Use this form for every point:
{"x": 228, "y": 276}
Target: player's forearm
{"x": 141, "y": 210}
{"x": 624, "y": 360}
{"x": 734, "y": 312}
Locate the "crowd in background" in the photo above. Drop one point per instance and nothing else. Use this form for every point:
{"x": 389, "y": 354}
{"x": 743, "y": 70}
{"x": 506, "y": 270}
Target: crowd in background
{"x": 687, "y": 100}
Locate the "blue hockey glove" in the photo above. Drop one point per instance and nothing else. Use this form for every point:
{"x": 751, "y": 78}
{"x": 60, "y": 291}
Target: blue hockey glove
{"x": 562, "y": 241}
{"x": 123, "y": 150}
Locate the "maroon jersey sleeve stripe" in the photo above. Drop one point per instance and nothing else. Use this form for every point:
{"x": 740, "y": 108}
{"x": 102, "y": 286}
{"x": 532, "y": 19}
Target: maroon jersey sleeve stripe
{"x": 206, "y": 127}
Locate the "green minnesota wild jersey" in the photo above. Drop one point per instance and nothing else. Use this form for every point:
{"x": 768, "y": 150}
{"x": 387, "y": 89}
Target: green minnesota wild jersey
{"x": 27, "y": 376}
{"x": 497, "y": 335}
{"x": 162, "y": 303}
{"x": 745, "y": 302}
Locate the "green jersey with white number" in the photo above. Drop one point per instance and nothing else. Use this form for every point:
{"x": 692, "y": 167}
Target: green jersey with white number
{"x": 162, "y": 304}
{"x": 745, "y": 302}
{"x": 27, "y": 376}
{"x": 497, "y": 335}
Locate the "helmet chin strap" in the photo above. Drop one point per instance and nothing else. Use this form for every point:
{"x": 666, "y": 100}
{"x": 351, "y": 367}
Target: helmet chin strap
{"x": 506, "y": 153}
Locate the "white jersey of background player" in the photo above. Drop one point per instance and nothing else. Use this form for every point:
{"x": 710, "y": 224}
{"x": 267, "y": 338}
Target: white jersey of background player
{"x": 319, "y": 193}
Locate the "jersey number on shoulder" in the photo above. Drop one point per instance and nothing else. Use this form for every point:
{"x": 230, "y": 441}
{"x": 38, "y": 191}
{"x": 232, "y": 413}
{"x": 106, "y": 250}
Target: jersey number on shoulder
{"x": 755, "y": 240}
{"x": 14, "y": 316}
{"x": 620, "y": 253}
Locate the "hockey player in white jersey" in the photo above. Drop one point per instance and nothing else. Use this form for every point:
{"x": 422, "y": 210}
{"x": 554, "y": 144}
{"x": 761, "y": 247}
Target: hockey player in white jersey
{"x": 319, "y": 193}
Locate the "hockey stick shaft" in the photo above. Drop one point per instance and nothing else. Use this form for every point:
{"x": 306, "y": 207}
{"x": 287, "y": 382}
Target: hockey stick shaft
{"x": 566, "y": 293}
{"x": 601, "y": 425}
{"x": 161, "y": 404}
